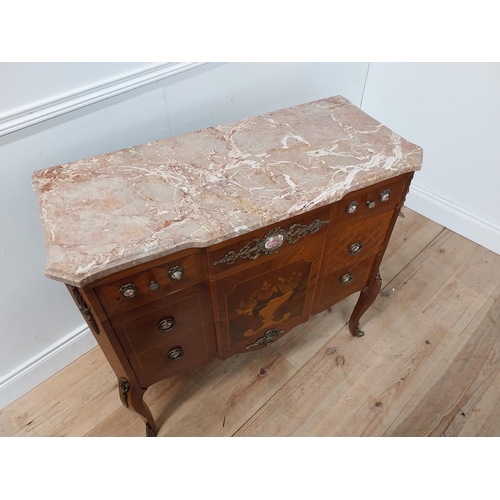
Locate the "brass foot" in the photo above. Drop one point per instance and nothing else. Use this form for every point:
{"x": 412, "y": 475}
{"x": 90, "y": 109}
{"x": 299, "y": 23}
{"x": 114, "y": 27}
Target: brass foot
{"x": 358, "y": 332}
{"x": 149, "y": 431}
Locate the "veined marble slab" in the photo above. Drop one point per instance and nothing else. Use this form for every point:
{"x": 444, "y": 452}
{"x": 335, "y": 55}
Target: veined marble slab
{"x": 116, "y": 210}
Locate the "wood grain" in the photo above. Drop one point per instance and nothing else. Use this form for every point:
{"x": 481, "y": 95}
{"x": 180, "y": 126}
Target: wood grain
{"x": 428, "y": 365}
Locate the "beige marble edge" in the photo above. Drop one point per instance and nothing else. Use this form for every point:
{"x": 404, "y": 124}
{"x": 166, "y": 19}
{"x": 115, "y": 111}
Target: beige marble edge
{"x": 331, "y": 194}
{"x": 155, "y": 254}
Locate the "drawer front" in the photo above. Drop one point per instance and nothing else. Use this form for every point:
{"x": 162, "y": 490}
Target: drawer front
{"x": 292, "y": 310}
{"x": 150, "y": 284}
{"x": 273, "y": 286}
{"x": 350, "y": 244}
{"x": 341, "y": 283}
{"x": 253, "y": 287}
{"x": 251, "y": 332}
{"x": 163, "y": 320}
{"x": 275, "y": 294}
{"x": 369, "y": 202}
{"x": 264, "y": 244}
{"x": 181, "y": 355}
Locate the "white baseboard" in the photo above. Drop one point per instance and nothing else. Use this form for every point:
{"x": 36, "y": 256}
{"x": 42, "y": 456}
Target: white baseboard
{"x": 45, "y": 110}
{"x": 453, "y": 217}
{"x": 45, "y": 364}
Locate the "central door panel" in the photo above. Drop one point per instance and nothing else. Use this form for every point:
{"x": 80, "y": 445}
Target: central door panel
{"x": 256, "y": 305}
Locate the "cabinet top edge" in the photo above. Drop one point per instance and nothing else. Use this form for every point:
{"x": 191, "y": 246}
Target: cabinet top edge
{"x": 113, "y": 211}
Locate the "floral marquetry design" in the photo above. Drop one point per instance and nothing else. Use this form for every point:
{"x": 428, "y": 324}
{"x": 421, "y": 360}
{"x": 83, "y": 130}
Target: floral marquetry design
{"x": 266, "y": 301}
{"x": 269, "y": 290}
{"x": 274, "y": 242}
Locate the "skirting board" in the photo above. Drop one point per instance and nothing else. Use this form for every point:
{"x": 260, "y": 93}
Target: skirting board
{"x": 45, "y": 364}
{"x": 453, "y": 217}
{"x": 58, "y": 105}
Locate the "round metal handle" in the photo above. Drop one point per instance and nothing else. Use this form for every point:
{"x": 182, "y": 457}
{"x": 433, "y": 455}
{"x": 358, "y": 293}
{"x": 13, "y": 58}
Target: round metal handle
{"x": 129, "y": 290}
{"x": 175, "y": 354}
{"x": 385, "y": 195}
{"x": 370, "y": 204}
{"x": 167, "y": 325}
{"x": 346, "y": 279}
{"x": 356, "y": 248}
{"x": 154, "y": 285}
{"x": 352, "y": 207}
{"x": 176, "y": 273}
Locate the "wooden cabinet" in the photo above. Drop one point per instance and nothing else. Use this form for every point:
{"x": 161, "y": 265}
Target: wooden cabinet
{"x": 245, "y": 293}
{"x": 263, "y": 263}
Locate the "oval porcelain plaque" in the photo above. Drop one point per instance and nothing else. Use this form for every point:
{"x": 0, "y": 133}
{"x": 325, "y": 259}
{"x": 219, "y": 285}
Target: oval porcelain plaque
{"x": 274, "y": 242}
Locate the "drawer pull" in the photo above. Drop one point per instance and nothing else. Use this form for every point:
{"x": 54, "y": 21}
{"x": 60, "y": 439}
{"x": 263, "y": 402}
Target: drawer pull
{"x": 175, "y": 354}
{"x": 346, "y": 279}
{"x": 167, "y": 325}
{"x": 385, "y": 195}
{"x": 272, "y": 241}
{"x": 154, "y": 285}
{"x": 355, "y": 248}
{"x": 176, "y": 273}
{"x": 269, "y": 337}
{"x": 352, "y": 207}
{"x": 370, "y": 204}
{"x": 129, "y": 290}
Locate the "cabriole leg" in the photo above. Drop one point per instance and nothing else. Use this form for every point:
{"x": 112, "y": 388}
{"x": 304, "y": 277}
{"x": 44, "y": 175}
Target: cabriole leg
{"x": 132, "y": 398}
{"x": 366, "y": 299}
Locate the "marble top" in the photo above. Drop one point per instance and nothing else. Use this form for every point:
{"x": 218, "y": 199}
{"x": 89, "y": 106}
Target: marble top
{"x": 116, "y": 210}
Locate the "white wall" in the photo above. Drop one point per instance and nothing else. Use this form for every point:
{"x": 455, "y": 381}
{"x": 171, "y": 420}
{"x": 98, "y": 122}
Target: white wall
{"x": 41, "y": 330}
{"x": 54, "y": 80}
{"x": 452, "y": 110}
{"x": 35, "y": 92}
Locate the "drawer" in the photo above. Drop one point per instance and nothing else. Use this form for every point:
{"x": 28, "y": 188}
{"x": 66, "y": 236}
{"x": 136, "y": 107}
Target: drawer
{"x": 250, "y": 332}
{"x": 370, "y": 201}
{"x": 279, "y": 296}
{"x": 348, "y": 245}
{"x": 265, "y": 243}
{"x": 175, "y": 357}
{"x": 163, "y": 320}
{"x": 165, "y": 276}
{"x": 334, "y": 287}
{"x": 280, "y": 314}
{"x": 256, "y": 290}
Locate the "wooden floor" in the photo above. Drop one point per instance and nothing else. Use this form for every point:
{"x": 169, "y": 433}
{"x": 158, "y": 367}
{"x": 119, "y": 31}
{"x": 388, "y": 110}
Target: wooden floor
{"x": 429, "y": 365}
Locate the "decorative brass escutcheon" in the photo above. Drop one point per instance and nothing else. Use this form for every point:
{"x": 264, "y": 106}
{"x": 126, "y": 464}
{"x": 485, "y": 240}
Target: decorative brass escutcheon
{"x": 346, "y": 279}
{"x": 358, "y": 332}
{"x": 356, "y": 248}
{"x": 129, "y": 290}
{"x": 385, "y": 195}
{"x": 176, "y": 273}
{"x": 124, "y": 386}
{"x": 352, "y": 207}
{"x": 175, "y": 354}
{"x": 167, "y": 325}
{"x": 84, "y": 309}
{"x": 270, "y": 336}
{"x": 272, "y": 241}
